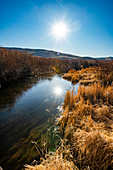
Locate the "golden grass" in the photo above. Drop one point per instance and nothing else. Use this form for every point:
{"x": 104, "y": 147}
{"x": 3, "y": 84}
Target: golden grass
{"x": 53, "y": 162}
{"x": 96, "y": 150}
{"x": 96, "y": 93}
{"x": 103, "y": 74}
{"x": 87, "y": 124}
{"x": 84, "y": 76}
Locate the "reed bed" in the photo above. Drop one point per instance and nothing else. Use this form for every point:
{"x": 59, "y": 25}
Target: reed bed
{"x": 87, "y": 124}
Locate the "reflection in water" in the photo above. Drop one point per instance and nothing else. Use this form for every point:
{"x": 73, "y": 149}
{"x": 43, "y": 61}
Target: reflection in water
{"x": 26, "y": 112}
{"x": 9, "y": 95}
{"x": 58, "y": 90}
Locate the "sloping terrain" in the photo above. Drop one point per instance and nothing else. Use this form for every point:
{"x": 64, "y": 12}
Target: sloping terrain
{"x": 48, "y": 53}
{"x": 55, "y": 54}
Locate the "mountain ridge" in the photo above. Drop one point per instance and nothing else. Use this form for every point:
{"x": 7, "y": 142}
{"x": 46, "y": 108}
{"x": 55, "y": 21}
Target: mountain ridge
{"x": 55, "y": 54}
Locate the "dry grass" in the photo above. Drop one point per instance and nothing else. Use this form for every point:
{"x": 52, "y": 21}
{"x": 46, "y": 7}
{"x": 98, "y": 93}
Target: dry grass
{"x": 55, "y": 162}
{"x": 96, "y": 94}
{"x": 88, "y": 82}
{"x": 96, "y": 150}
{"x": 84, "y": 76}
{"x": 103, "y": 74}
{"x": 87, "y": 124}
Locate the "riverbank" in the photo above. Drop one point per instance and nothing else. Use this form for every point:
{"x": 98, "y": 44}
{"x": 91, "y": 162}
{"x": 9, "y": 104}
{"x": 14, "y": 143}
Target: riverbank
{"x": 102, "y": 74}
{"x": 86, "y": 124}
{"x": 88, "y": 118}
{"x": 84, "y": 76}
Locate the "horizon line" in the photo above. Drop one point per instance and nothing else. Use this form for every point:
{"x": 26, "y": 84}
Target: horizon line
{"x": 59, "y": 51}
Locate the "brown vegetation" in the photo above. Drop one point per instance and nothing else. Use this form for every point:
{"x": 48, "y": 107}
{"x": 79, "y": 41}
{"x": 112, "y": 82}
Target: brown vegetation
{"x": 87, "y": 124}
{"x": 53, "y": 162}
{"x": 103, "y": 73}
{"x": 87, "y": 120}
{"x": 84, "y": 76}
{"x": 16, "y": 65}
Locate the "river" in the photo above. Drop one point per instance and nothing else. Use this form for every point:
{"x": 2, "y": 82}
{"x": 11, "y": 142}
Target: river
{"x": 27, "y": 109}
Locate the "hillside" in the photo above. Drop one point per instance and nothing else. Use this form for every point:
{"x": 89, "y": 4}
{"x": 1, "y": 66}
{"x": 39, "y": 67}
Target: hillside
{"x": 48, "y": 53}
{"x": 55, "y": 54}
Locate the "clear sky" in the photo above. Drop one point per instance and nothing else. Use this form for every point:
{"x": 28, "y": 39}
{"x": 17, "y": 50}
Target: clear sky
{"x": 29, "y": 23}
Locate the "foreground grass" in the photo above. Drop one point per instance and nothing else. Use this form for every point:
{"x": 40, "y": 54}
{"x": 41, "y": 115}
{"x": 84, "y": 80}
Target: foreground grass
{"x": 54, "y": 162}
{"x": 87, "y": 124}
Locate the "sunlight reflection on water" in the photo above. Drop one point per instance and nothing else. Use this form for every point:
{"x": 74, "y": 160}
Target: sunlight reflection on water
{"x": 58, "y": 90}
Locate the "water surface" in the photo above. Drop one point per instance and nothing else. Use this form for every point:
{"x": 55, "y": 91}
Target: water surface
{"x": 26, "y": 109}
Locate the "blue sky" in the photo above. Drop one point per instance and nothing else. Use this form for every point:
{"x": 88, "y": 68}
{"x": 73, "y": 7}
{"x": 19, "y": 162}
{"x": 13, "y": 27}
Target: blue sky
{"x": 27, "y": 23}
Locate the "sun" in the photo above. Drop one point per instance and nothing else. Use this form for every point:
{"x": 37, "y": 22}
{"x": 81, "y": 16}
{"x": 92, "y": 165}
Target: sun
{"x": 59, "y": 30}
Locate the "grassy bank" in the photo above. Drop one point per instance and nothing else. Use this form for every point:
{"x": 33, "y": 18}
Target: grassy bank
{"x": 87, "y": 125}
{"x": 84, "y": 76}
{"x": 103, "y": 74}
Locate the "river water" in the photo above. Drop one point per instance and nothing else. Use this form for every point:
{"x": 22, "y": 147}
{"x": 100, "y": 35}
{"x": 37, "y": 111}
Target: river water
{"x": 27, "y": 109}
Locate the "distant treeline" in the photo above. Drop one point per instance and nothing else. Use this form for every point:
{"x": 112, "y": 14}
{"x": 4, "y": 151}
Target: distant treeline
{"x": 16, "y": 65}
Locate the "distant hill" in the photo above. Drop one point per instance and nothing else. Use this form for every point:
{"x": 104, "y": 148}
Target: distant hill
{"x": 54, "y": 54}
{"x": 105, "y": 58}
{"x": 48, "y": 53}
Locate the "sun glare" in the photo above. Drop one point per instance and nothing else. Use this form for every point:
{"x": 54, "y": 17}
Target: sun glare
{"x": 58, "y": 90}
{"x": 60, "y": 30}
